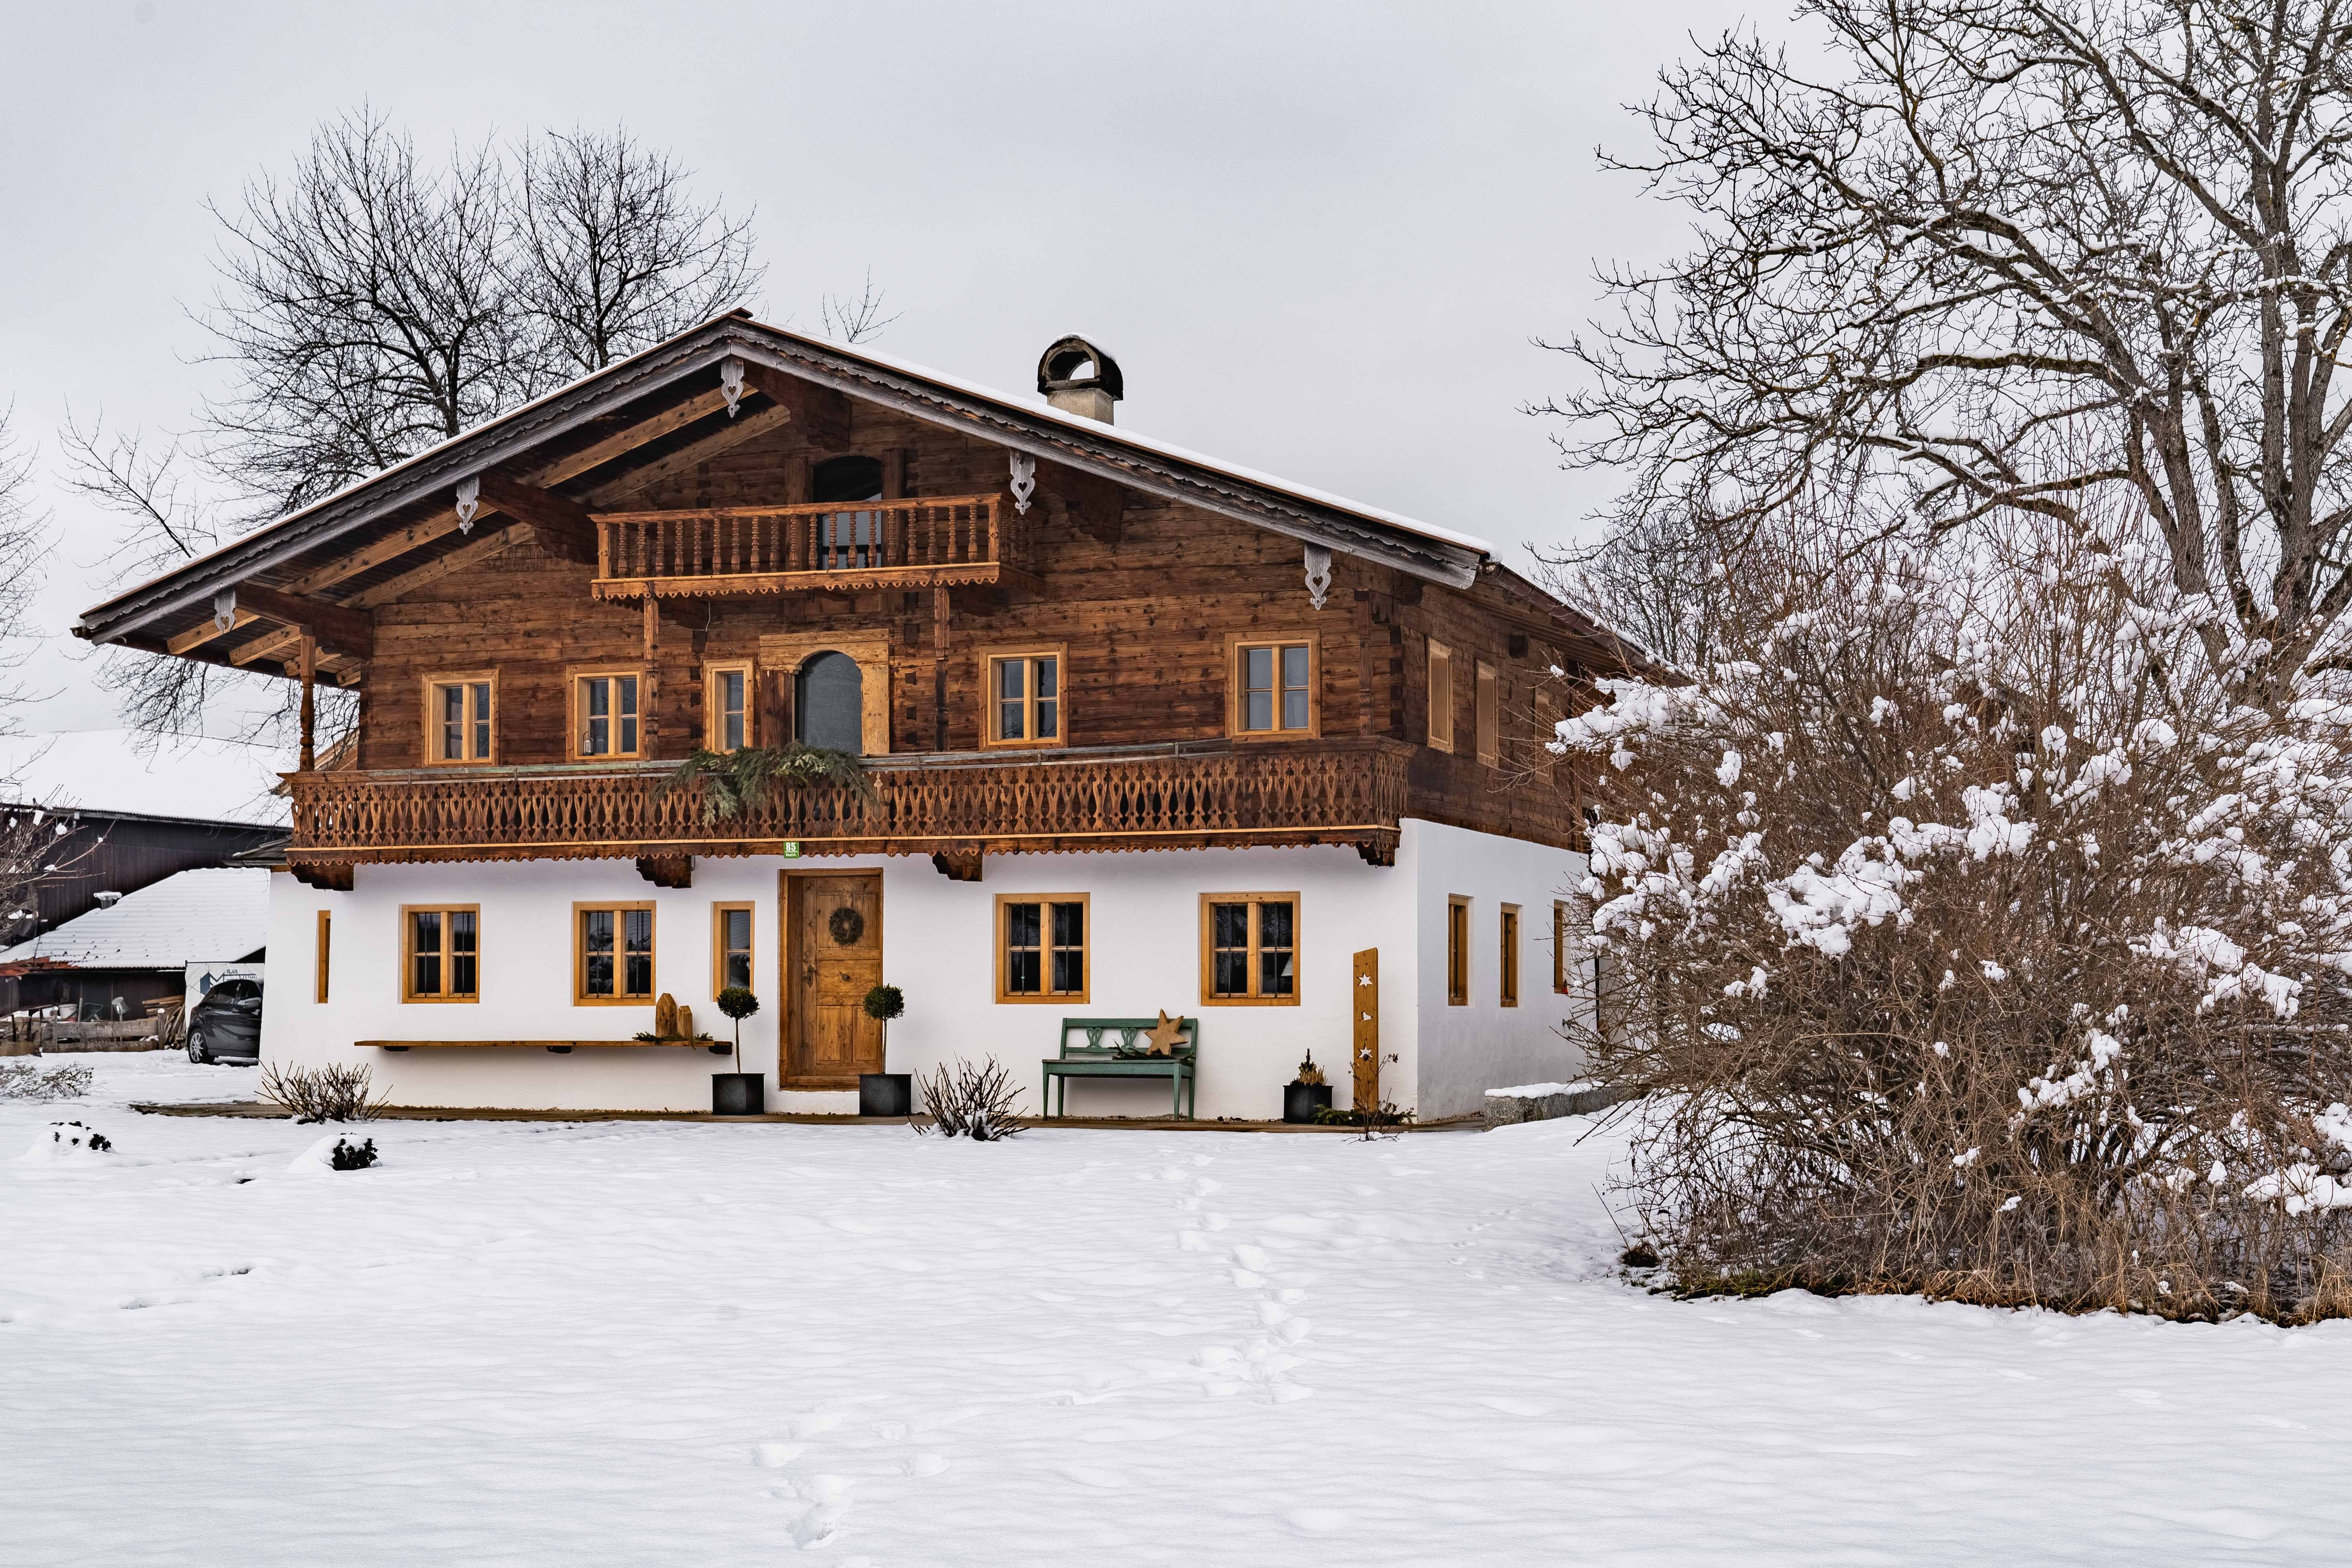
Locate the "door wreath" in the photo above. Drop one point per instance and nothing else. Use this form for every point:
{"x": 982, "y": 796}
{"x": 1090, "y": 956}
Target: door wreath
{"x": 847, "y": 925}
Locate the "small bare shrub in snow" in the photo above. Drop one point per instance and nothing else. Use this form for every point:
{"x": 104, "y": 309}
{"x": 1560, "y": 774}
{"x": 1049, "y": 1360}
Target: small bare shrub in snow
{"x": 323, "y": 1094}
{"x": 26, "y": 1080}
{"x": 347, "y": 1156}
{"x": 971, "y": 1099}
{"x": 1973, "y": 938}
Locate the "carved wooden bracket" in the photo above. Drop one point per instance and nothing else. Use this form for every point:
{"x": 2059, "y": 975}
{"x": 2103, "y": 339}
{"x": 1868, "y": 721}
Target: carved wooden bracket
{"x": 330, "y": 879}
{"x": 666, "y": 870}
{"x": 958, "y": 865}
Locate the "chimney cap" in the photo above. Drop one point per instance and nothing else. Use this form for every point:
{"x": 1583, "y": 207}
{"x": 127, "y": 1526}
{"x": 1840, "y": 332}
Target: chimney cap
{"x": 1058, "y": 370}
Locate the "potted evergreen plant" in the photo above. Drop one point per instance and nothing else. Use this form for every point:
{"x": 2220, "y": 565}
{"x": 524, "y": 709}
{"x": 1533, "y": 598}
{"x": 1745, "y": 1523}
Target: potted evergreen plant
{"x": 885, "y": 1093}
{"x": 737, "y": 1093}
{"x": 1306, "y": 1094}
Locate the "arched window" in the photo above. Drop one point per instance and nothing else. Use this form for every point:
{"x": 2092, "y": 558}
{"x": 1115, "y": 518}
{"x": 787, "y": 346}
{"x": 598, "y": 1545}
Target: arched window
{"x": 829, "y": 704}
{"x": 853, "y": 536}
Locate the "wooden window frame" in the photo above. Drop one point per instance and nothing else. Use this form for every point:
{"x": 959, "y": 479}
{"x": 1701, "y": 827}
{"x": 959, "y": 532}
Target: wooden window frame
{"x": 1486, "y": 724}
{"x": 576, "y": 706}
{"x": 1559, "y": 981}
{"x": 719, "y": 914}
{"x": 323, "y": 947}
{"x": 989, "y": 659}
{"x": 713, "y": 718}
{"x": 580, "y": 997}
{"x": 1441, "y": 695}
{"x": 1236, "y": 691}
{"x": 1507, "y": 930}
{"x": 409, "y": 951}
{"x": 1209, "y": 996}
{"x": 1044, "y": 949}
{"x": 429, "y": 750}
{"x": 1457, "y": 950}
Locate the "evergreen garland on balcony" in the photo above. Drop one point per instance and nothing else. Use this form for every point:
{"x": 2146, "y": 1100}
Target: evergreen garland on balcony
{"x": 735, "y": 782}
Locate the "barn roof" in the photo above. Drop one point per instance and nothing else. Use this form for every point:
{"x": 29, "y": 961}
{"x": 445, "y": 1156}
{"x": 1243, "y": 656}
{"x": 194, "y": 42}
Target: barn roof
{"x": 213, "y": 912}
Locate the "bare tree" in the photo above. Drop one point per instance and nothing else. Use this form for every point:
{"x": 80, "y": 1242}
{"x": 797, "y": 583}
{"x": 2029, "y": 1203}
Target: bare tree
{"x": 168, "y": 518}
{"x": 611, "y": 254}
{"x": 366, "y": 312}
{"x": 2008, "y": 255}
{"x": 857, "y": 320}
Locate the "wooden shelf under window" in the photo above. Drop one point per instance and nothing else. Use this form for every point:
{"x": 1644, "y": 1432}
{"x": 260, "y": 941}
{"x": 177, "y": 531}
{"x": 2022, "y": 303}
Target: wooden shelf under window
{"x": 559, "y": 1046}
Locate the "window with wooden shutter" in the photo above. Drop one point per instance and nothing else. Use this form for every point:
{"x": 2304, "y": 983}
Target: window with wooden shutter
{"x": 1490, "y": 715}
{"x": 1441, "y": 695}
{"x": 1510, "y": 957}
{"x": 1457, "y": 950}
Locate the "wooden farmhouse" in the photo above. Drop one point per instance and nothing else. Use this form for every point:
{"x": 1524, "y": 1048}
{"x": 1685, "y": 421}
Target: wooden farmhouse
{"x": 1141, "y": 732}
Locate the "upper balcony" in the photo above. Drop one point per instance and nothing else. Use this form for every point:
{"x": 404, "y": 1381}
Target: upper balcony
{"x": 931, "y": 541}
{"x": 955, "y": 806}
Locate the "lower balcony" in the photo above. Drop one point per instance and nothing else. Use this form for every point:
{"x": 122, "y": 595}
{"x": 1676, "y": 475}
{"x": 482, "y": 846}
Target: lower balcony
{"x": 956, "y": 807}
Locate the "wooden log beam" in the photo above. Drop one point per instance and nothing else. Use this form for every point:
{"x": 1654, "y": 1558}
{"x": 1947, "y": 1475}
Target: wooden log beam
{"x": 822, "y": 414}
{"x": 195, "y": 637}
{"x": 326, "y": 876}
{"x": 564, "y": 526}
{"x": 1098, "y": 504}
{"x": 445, "y": 522}
{"x": 958, "y": 865}
{"x": 337, "y": 627}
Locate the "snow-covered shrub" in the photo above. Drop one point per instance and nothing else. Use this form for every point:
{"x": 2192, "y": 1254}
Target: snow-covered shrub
{"x": 66, "y": 1141}
{"x": 971, "y": 1100}
{"x": 336, "y": 1153}
{"x": 1976, "y": 933}
{"x": 28, "y": 1080}
{"x": 323, "y": 1094}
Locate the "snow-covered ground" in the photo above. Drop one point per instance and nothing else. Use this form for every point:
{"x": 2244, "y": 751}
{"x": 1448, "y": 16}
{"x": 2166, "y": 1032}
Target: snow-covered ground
{"x": 647, "y": 1343}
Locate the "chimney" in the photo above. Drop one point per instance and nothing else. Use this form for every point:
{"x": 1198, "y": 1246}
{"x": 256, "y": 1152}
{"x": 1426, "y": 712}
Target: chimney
{"x": 106, "y": 900}
{"x": 1078, "y": 378}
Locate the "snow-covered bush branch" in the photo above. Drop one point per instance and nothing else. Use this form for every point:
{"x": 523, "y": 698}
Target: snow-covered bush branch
{"x": 1975, "y": 938}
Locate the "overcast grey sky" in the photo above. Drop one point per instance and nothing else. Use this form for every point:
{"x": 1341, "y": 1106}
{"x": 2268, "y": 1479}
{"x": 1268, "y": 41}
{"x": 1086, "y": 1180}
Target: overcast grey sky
{"x": 1317, "y": 237}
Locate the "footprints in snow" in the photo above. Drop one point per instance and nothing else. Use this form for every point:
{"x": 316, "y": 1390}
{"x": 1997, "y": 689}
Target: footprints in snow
{"x": 818, "y": 1501}
{"x": 1264, "y": 1363}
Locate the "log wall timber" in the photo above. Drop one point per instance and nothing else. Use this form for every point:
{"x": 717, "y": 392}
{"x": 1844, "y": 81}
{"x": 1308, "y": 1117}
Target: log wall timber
{"x": 1144, "y": 618}
{"x": 1338, "y": 792}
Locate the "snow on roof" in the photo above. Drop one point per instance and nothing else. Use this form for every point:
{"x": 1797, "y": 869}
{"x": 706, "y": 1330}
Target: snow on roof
{"x": 1032, "y": 407}
{"x": 213, "y": 912}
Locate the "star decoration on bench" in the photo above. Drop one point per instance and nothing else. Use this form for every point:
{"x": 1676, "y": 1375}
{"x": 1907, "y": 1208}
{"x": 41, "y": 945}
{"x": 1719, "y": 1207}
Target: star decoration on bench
{"x": 1166, "y": 1035}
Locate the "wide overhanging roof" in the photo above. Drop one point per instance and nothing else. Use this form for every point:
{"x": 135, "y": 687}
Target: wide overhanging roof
{"x": 677, "y": 382}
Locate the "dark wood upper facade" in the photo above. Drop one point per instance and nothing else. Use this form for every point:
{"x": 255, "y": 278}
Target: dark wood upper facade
{"x": 638, "y": 527}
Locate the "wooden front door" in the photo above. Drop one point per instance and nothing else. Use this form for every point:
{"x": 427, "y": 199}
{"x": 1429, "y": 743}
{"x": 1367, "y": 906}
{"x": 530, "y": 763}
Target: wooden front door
{"x": 833, "y": 957}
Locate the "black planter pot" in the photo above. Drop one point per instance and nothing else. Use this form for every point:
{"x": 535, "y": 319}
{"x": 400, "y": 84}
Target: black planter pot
{"x": 886, "y": 1094}
{"x": 737, "y": 1093}
{"x": 1300, "y": 1102}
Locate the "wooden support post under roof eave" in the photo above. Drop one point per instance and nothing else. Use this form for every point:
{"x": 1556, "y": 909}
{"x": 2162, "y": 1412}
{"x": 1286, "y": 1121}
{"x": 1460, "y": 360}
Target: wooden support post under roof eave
{"x": 940, "y": 667}
{"x": 309, "y": 756}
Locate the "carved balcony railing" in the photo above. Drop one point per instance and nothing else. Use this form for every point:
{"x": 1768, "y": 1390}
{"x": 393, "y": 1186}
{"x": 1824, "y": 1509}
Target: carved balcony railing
{"x": 1169, "y": 797}
{"x": 933, "y": 541}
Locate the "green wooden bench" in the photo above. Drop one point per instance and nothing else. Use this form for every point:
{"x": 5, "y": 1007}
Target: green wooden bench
{"x": 1097, "y": 1053}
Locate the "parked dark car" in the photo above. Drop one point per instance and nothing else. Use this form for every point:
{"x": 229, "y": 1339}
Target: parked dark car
{"x": 226, "y": 1025}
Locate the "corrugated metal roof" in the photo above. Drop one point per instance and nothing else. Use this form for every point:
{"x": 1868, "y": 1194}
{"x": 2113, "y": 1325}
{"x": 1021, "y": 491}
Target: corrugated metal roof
{"x": 213, "y": 912}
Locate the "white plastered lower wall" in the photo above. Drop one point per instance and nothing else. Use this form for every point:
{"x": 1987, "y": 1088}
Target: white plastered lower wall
{"x": 938, "y": 947}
